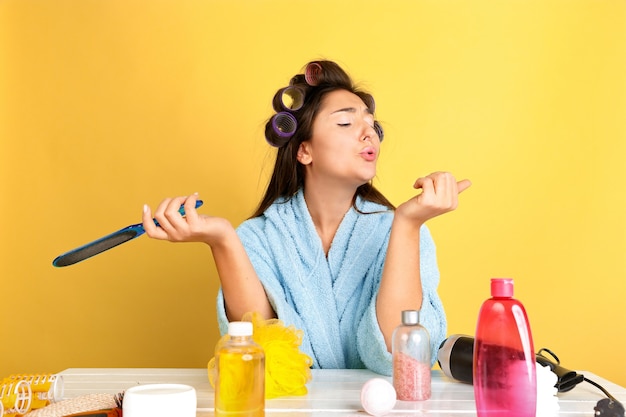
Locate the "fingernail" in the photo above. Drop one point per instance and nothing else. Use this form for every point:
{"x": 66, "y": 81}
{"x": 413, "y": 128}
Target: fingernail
{"x": 145, "y": 208}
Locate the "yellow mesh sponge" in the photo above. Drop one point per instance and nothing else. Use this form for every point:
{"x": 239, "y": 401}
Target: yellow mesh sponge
{"x": 287, "y": 369}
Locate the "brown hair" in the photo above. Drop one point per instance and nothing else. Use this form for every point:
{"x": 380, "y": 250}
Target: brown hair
{"x": 288, "y": 174}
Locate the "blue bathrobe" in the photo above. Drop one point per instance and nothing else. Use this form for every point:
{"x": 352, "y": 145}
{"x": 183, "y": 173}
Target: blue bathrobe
{"x": 333, "y": 299}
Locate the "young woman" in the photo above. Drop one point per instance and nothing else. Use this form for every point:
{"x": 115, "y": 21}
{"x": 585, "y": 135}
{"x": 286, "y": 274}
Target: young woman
{"x": 325, "y": 251}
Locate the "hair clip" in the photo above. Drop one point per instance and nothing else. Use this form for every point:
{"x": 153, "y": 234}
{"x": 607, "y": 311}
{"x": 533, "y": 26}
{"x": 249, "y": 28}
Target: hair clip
{"x": 280, "y": 128}
{"x": 290, "y": 98}
{"x": 313, "y": 73}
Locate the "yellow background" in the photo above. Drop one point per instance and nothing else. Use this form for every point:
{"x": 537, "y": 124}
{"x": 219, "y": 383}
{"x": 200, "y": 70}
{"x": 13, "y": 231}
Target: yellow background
{"x": 109, "y": 104}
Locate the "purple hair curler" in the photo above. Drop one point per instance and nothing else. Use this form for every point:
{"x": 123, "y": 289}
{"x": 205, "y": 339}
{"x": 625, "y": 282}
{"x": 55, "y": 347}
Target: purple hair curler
{"x": 290, "y": 98}
{"x": 280, "y": 128}
{"x": 284, "y": 124}
{"x": 312, "y": 73}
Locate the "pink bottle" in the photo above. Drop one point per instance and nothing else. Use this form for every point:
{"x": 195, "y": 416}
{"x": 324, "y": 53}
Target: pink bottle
{"x": 505, "y": 378}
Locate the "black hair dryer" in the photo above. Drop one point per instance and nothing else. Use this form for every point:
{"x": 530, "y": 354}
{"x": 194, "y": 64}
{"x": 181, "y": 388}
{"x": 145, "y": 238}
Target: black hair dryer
{"x": 456, "y": 360}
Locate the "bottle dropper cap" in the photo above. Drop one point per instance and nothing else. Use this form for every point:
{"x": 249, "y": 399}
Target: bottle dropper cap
{"x": 240, "y": 328}
{"x": 410, "y": 317}
{"x": 502, "y": 287}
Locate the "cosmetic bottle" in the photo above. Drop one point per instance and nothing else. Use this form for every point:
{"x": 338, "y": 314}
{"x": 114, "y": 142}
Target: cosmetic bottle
{"x": 504, "y": 372}
{"x": 411, "y": 359}
{"x": 240, "y": 381}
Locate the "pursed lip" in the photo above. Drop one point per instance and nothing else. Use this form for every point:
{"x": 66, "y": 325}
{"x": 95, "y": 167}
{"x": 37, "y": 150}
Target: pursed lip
{"x": 369, "y": 153}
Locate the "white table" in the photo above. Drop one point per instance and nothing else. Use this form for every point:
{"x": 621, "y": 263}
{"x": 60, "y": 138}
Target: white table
{"x": 331, "y": 392}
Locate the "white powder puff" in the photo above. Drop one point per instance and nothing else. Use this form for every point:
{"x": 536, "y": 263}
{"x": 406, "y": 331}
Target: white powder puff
{"x": 378, "y": 397}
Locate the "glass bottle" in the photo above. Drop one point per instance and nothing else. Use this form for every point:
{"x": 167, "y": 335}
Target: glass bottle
{"x": 504, "y": 374}
{"x": 240, "y": 381}
{"x": 411, "y": 358}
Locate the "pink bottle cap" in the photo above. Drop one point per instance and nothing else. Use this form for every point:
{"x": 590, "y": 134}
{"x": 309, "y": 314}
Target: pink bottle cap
{"x": 501, "y": 287}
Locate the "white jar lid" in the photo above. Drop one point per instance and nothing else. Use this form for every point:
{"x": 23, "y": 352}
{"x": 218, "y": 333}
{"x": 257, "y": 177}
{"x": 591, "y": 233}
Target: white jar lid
{"x": 160, "y": 400}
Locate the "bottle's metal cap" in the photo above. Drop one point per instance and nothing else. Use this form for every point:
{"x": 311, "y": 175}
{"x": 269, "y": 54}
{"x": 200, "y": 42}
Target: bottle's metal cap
{"x": 410, "y": 317}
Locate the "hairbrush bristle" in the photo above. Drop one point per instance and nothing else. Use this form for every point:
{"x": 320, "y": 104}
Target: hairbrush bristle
{"x": 119, "y": 399}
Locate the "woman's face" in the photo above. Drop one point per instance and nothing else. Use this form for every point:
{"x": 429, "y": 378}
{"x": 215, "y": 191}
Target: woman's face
{"x": 344, "y": 146}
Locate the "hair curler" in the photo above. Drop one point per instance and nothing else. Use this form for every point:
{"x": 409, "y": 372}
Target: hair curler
{"x": 15, "y": 396}
{"x": 290, "y": 98}
{"x": 280, "y": 129}
{"x": 284, "y": 124}
{"x": 313, "y": 73}
{"x": 46, "y": 388}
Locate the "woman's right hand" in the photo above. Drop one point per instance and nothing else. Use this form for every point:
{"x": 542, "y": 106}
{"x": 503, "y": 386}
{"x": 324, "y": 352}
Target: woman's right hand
{"x": 174, "y": 227}
{"x": 439, "y": 194}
